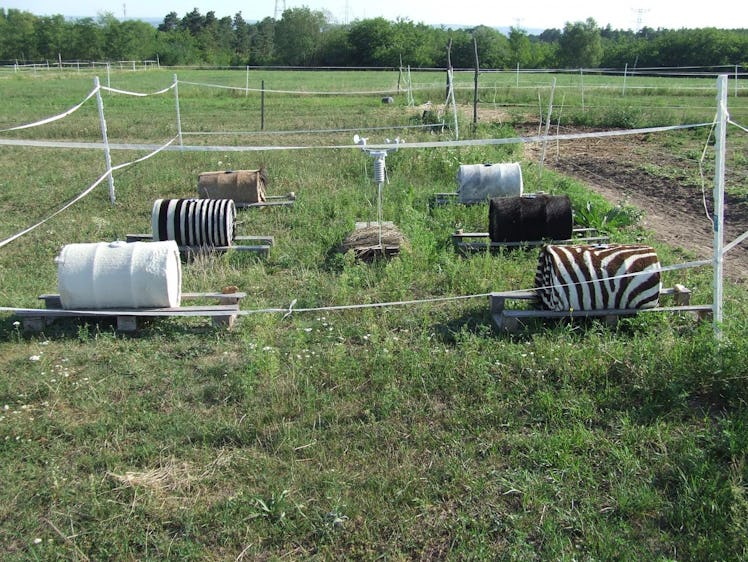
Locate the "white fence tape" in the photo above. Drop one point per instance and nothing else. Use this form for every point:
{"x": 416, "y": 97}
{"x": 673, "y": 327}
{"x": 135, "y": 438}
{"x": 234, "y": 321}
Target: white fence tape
{"x": 53, "y": 118}
{"x": 138, "y": 94}
{"x": 82, "y": 195}
{"x": 403, "y": 145}
{"x": 298, "y": 92}
{"x": 291, "y": 309}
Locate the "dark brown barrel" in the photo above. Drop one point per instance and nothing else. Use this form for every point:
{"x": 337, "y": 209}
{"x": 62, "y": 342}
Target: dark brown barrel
{"x": 530, "y": 218}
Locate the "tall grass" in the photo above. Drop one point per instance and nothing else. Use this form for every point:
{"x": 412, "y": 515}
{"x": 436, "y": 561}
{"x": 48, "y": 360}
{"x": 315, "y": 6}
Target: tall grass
{"x": 402, "y": 432}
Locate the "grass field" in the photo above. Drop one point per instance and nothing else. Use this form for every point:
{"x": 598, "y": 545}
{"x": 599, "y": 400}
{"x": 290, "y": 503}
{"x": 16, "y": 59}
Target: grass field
{"x": 408, "y": 432}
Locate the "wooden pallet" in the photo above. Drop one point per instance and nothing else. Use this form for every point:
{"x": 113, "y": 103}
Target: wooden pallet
{"x": 270, "y": 201}
{"x": 480, "y": 241}
{"x": 444, "y": 199}
{"x": 511, "y": 319}
{"x": 223, "y": 313}
{"x": 256, "y": 244}
{"x": 371, "y": 251}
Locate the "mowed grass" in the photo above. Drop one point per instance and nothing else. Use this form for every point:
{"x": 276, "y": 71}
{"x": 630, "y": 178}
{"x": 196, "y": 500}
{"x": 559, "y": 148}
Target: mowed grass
{"x": 406, "y": 432}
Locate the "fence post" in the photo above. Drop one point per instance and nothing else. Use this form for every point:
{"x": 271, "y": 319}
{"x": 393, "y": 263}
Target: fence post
{"x": 179, "y": 117}
{"x": 107, "y": 153}
{"x": 736, "y": 80}
{"x": 547, "y": 128}
{"x": 246, "y": 86}
{"x": 720, "y": 135}
{"x": 475, "y": 79}
{"x": 262, "y": 106}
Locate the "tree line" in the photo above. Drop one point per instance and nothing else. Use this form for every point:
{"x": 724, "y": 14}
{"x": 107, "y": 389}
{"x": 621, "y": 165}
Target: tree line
{"x": 307, "y": 38}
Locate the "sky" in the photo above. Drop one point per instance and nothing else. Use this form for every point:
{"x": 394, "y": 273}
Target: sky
{"x": 524, "y": 14}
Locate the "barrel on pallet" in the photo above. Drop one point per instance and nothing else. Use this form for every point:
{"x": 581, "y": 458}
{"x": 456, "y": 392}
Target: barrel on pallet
{"x": 530, "y": 218}
{"x": 194, "y": 222}
{"x": 478, "y": 182}
{"x": 243, "y": 186}
{"x": 103, "y": 275}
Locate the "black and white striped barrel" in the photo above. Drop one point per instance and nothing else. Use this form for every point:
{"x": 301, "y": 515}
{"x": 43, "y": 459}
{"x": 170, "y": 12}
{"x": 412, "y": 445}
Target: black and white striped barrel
{"x": 194, "y": 222}
{"x": 598, "y": 277}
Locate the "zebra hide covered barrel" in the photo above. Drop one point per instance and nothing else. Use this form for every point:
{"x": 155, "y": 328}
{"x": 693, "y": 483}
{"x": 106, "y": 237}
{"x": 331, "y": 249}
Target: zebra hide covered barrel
{"x": 529, "y": 218}
{"x": 598, "y": 277}
{"x": 243, "y": 186}
{"x": 194, "y": 222}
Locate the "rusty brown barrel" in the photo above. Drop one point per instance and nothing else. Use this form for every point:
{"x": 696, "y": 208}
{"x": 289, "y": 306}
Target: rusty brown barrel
{"x": 243, "y": 186}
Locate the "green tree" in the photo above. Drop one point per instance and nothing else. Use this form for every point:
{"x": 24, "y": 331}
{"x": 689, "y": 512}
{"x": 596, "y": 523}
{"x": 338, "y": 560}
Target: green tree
{"x": 52, "y": 37}
{"x": 335, "y": 49}
{"x": 262, "y": 47}
{"x": 193, "y": 22}
{"x": 370, "y": 41}
{"x": 170, "y": 23}
{"x": 88, "y": 40}
{"x": 493, "y": 47}
{"x": 177, "y": 47}
{"x": 241, "y": 40}
{"x": 298, "y": 36}
{"x": 520, "y": 47}
{"x": 580, "y": 45}
{"x": 129, "y": 40}
{"x": 18, "y": 40}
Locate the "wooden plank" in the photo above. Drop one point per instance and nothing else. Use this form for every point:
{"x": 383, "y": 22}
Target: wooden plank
{"x": 263, "y": 244}
{"x": 127, "y": 323}
{"x": 270, "y": 201}
{"x": 237, "y": 295}
{"x": 264, "y": 240}
{"x": 52, "y": 300}
{"x": 202, "y": 250}
{"x": 508, "y": 319}
{"x": 197, "y": 310}
{"x": 579, "y": 236}
{"x": 443, "y": 198}
{"x": 223, "y": 314}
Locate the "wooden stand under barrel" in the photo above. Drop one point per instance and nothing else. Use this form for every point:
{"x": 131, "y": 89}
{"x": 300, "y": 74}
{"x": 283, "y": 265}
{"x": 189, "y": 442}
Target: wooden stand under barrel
{"x": 269, "y": 201}
{"x": 258, "y": 244}
{"x": 223, "y": 313}
{"x": 511, "y": 319}
{"x": 480, "y": 241}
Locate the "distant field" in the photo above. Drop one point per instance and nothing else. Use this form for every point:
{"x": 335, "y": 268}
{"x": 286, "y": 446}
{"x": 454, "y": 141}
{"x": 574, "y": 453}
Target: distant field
{"x": 411, "y": 431}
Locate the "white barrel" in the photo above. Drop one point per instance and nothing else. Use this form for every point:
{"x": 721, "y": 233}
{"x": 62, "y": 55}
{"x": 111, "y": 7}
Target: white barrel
{"x": 478, "y": 182}
{"x": 119, "y": 275}
{"x": 194, "y": 222}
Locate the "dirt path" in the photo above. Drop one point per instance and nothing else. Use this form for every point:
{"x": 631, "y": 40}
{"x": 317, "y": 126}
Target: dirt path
{"x": 676, "y": 213}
